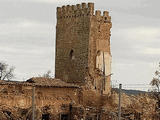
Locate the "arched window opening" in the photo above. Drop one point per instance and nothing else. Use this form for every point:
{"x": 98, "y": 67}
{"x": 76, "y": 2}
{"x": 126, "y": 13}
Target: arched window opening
{"x": 71, "y": 55}
{"x": 98, "y": 53}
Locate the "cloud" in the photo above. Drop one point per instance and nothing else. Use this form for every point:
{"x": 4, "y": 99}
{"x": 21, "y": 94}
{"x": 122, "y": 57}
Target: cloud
{"x": 135, "y": 52}
{"x": 133, "y": 40}
{"x": 151, "y": 51}
{"x": 27, "y": 45}
{"x": 41, "y": 1}
{"x": 147, "y": 34}
{"x": 54, "y": 1}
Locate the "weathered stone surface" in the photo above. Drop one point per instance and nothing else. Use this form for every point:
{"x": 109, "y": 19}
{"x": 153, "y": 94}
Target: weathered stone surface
{"x": 16, "y": 103}
{"x": 80, "y": 36}
{"x": 16, "y": 98}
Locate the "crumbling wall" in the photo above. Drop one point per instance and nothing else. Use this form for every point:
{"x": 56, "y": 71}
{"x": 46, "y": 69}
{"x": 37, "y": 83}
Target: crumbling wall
{"x": 99, "y": 49}
{"x": 139, "y": 107}
{"x": 82, "y": 37}
{"x": 16, "y": 100}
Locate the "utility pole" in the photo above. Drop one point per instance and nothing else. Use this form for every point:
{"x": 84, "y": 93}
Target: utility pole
{"x": 119, "y": 105}
{"x": 104, "y": 72}
{"x": 33, "y": 103}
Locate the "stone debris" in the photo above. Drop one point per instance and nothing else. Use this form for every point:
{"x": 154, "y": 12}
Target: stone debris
{"x": 61, "y": 104}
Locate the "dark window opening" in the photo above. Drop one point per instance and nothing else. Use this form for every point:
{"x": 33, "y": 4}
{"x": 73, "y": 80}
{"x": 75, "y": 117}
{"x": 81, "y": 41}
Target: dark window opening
{"x": 64, "y": 117}
{"x": 98, "y": 53}
{"x": 8, "y": 113}
{"x": 89, "y": 118}
{"x": 71, "y": 55}
{"x": 45, "y": 116}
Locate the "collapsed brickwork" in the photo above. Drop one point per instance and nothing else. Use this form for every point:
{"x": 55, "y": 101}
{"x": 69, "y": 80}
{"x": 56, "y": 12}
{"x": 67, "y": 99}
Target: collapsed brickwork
{"x": 62, "y": 101}
{"x": 83, "y": 46}
{"x": 54, "y": 99}
{"x": 16, "y": 97}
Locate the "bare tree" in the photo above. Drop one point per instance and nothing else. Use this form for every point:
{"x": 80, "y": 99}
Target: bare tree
{"x": 48, "y": 74}
{"x": 156, "y": 83}
{"x": 6, "y": 72}
{"x": 156, "y": 80}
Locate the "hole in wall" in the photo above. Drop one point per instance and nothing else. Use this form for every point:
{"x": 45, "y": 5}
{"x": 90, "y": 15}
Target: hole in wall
{"x": 89, "y": 118}
{"x": 71, "y": 55}
{"x": 7, "y": 112}
{"x": 64, "y": 117}
{"x": 98, "y": 53}
{"x": 45, "y": 116}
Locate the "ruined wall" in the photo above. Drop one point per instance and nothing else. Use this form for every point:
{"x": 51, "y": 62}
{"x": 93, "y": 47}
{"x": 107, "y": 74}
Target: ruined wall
{"x": 99, "y": 50}
{"x": 21, "y": 96}
{"x": 16, "y": 102}
{"x": 82, "y": 37}
{"x": 133, "y": 107}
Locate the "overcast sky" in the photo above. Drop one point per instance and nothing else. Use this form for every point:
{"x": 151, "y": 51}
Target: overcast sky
{"x": 27, "y": 36}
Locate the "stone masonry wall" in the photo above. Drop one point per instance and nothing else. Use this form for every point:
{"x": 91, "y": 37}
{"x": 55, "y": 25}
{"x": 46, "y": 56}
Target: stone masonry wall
{"x": 81, "y": 35}
{"x": 72, "y": 37}
{"x": 21, "y": 96}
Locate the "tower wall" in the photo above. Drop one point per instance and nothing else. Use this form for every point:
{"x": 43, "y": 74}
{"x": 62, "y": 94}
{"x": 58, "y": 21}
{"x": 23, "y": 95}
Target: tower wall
{"x": 99, "y": 51}
{"x": 82, "y": 45}
{"x": 72, "y": 39}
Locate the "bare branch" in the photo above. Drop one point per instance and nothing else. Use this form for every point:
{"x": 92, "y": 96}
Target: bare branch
{"x": 5, "y": 72}
{"x": 47, "y": 74}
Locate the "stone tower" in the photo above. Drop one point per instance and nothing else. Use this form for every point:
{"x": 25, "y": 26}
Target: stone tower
{"x": 83, "y": 46}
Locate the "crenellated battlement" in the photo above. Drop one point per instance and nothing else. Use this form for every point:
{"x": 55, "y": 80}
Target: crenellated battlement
{"x": 75, "y": 10}
{"x": 81, "y": 10}
{"x": 105, "y": 16}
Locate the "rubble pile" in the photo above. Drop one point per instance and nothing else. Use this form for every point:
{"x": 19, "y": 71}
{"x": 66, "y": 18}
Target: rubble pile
{"x": 92, "y": 106}
{"x": 53, "y": 102}
{"x": 139, "y": 107}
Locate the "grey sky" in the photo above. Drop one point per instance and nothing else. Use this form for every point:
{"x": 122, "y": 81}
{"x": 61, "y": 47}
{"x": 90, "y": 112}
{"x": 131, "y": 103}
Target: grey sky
{"x": 27, "y": 36}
